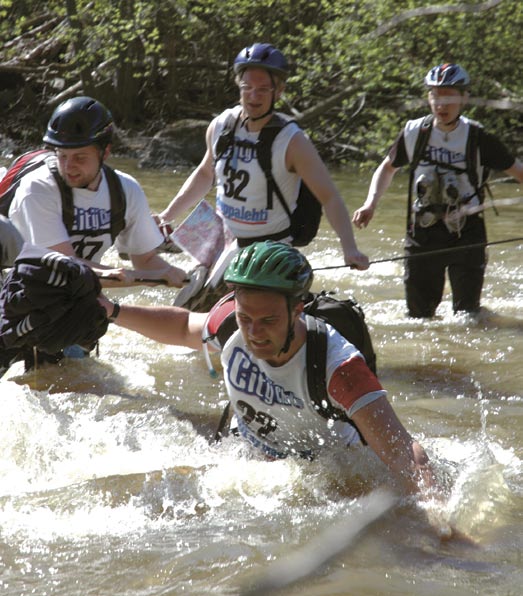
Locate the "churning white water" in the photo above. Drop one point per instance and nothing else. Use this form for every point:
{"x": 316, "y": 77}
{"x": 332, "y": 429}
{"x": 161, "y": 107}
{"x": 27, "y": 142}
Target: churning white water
{"x": 110, "y": 484}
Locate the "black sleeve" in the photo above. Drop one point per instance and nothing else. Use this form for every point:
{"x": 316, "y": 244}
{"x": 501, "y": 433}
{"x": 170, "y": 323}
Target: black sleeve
{"x": 398, "y": 153}
{"x": 493, "y": 153}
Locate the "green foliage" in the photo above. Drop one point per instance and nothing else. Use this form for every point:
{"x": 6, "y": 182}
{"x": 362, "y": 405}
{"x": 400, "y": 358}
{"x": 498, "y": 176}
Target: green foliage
{"x": 167, "y": 59}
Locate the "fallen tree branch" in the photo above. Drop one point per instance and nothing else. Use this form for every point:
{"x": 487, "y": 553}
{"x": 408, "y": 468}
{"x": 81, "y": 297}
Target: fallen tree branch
{"x": 41, "y": 28}
{"x": 324, "y": 106}
{"x": 496, "y": 104}
{"x": 48, "y": 49}
{"x": 73, "y": 89}
{"x": 426, "y": 11}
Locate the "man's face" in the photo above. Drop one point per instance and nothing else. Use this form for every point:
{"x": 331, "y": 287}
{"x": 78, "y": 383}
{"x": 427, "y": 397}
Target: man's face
{"x": 257, "y": 92}
{"x": 80, "y": 167}
{"x": 446, "y": 104}
{"x": 263, "y": 320}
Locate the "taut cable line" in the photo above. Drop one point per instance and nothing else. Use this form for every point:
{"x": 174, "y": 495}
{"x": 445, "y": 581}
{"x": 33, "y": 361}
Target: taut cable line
{"x": 429, "y": 253}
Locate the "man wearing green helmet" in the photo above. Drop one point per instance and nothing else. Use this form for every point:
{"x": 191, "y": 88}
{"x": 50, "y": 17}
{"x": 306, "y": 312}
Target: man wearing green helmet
{"x": 264, "y": 363}
{"x": 449, "y": 157}
{"x": 244, "y": 199}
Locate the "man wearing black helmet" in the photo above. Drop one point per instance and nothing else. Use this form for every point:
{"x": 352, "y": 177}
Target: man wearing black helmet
{"x": 80, "y": 132}
{"x": 242, "y": 195}
{"x": 449, "y": 156}
{"x": 265, "y": 366}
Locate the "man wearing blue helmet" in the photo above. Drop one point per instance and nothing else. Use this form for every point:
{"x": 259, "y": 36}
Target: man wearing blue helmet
{"x": 250, "y": 209}
{"x": 448, "y": 156}
{"x": 68, "y": 204}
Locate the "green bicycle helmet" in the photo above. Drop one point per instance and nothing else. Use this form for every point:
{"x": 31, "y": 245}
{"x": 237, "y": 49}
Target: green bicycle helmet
{"x": 272, "y": 266}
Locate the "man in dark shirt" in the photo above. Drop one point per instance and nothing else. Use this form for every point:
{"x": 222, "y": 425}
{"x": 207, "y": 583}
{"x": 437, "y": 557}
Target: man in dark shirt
{"x": 446, "y": 188}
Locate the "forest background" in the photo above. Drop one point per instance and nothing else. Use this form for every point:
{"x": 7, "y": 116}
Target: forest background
{"x": 357, "y": 66}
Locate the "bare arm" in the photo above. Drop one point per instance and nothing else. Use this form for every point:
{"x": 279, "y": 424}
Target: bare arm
{"x": 197, "y": 185}
{"x": 379, "y": 184}
{"x": 152, "y": 265}
{"x": 391, "y": 442}
{"x": 164, "y": 324}
{"x": 516, "y": 171}
{"x": 149, "y": 266}
{"x": 303, "y": 159}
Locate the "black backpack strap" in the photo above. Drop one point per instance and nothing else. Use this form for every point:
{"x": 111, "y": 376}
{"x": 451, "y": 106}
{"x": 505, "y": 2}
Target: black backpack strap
{"x": 219, "y": 434}
{"x": 316, "y": 358}
{"x": 118, "y": 201}
{"x": 421, "y": 141}
{"x": 226, "y": 329}
{"x": 264, "y": 154}
{"x": 226, "y": 138}
{"x": 66, "y": 194}
{"x": 316, "y": 353}
{"x": 471, "y": 157}
{"x": 419, "y": 149}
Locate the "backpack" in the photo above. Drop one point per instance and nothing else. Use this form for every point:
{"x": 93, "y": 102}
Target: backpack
{"x": 471, "y": 158}
{"x": 32, "y": 160}
{"x": 305, "y": 219}
{"x": 346, "y": 316}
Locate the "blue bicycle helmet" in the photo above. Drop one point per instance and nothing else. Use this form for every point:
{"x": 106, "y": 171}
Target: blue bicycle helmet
{"x": 262, "y": 55}
{"x": 79, "y": 122}
{"x": 448, "y": 75}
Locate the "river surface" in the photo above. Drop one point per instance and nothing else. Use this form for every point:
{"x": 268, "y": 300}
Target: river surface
{"x": 109, "y": 485}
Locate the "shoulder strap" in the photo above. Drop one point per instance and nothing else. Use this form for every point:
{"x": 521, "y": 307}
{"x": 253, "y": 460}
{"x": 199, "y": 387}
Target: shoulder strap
{"x": 226, "y": 138}
{"x": 419, "y": 149}
{"x": 471, "y": 161}
{"x": 421, "y": 141}
{"x": 316, "y": 358}
{"x": 264, "y": 154}
{"x": 66, "y": 193}
{"x": 118, "y": 201}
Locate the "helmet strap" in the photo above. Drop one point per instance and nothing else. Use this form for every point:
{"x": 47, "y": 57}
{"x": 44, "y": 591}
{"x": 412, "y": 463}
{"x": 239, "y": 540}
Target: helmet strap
{"x": 269, "y": 111}
{"x": 273, "y": 102}
{"x": 100, "y": 166}
{"x": 290, "y": 329}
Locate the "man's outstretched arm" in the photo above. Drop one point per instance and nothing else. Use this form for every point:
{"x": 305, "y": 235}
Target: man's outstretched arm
{"x": 164, "y": 324}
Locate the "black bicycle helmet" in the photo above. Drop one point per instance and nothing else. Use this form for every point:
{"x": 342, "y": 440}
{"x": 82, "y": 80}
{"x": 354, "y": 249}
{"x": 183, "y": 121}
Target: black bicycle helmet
{"x": 79, "y": 122}
{"x": 262, "y": 55}
{"x": 448, "y": 75}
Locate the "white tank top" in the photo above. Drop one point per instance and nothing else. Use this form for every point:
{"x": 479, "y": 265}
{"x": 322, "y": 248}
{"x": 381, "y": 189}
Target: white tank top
{"x": 241, "y": 185}
{"x": 444, "y": 148}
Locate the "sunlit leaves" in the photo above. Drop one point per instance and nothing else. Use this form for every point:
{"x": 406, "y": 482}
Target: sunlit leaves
{"x": 181, "y": 52}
